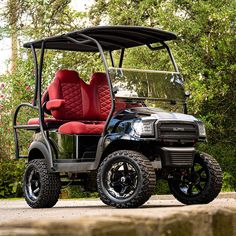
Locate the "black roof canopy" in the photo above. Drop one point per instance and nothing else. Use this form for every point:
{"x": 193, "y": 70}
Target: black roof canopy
{"x": 109, "y": 37}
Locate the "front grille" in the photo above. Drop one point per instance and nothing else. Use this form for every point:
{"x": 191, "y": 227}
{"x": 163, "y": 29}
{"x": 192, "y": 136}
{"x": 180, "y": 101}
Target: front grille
{"x": 177, "y": 130}
{"x": 177, "y": 157}
{"x": 181, "y": 158}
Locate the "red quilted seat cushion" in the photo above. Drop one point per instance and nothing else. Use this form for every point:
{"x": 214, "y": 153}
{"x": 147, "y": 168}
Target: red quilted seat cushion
{"x": 70, "y": 98}
{"x": 102, "y": 91}
{"x": 67, "y": 86}
{"x": 75, "y": 127}
{"x": 103, "y": 98}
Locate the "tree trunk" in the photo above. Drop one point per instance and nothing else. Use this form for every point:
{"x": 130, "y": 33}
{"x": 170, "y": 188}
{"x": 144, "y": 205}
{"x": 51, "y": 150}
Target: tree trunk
{"x": 12, "y": 19}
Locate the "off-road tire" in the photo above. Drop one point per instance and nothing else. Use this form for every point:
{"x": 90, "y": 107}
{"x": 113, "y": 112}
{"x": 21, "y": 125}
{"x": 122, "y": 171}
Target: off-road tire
{"x": 49, "y": 185}
{"x": 145, "y": 184}
{"x": 213, "y": 182}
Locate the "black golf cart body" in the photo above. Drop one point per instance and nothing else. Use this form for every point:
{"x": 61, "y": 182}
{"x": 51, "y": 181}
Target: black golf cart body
{"x": 164, "y": 140}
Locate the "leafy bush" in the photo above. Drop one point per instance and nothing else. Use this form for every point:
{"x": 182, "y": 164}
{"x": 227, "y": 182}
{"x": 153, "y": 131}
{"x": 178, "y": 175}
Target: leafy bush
{"x": 77, "y": 192}
{"x": 11, "y": 173}
{"x": 225, "y": 153}
{"x": 162, "y": 187}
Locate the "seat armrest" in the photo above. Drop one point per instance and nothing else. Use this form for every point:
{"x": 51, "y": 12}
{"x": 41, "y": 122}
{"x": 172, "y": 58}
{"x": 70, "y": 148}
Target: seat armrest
{"x": 55, "y": 104}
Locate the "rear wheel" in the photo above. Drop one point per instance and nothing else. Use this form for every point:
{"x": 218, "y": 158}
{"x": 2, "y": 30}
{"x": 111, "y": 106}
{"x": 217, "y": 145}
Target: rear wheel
{"x": 125, "y": 179}
{"x": 41, "y": 188}
{"x": 200, "y": 184}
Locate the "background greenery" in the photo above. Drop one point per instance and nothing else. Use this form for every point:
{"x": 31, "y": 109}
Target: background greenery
{"x": 205, "y": 52}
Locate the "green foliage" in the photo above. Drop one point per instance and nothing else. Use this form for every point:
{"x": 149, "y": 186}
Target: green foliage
{"x": 77, "y": 192}
{"x": 162, "y": 187}
{"x": 11, "y": 178}
{"x": 225, "y": 153}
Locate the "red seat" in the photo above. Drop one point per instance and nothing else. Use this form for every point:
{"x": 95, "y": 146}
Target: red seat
{"x": 56, "y": 104}
{"x": 65, "y": 96}
{"x": 96, "y": 96}
{"x": 85, "y": 106}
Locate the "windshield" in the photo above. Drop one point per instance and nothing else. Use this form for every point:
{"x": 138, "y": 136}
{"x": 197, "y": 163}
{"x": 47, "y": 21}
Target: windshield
{"x": 156, "y": 89}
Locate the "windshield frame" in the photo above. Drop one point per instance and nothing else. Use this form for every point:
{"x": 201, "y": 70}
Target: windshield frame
{"x": 162, "y": 46}
{"x": 123, "y": 78}
{"x": 157, "y": 48}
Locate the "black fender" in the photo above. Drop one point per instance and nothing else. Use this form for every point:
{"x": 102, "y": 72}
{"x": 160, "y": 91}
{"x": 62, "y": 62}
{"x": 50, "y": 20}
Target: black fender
{"x": 121, "y": 135}
{"x": 38, "y": 150}
{"x": 112, "y": 142}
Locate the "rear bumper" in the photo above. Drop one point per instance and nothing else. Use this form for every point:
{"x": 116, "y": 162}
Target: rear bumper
{"x": 177, "y": 156}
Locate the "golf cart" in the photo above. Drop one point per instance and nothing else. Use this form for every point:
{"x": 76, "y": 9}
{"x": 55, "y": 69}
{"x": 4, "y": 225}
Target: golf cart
{"x": 117, "y": 134}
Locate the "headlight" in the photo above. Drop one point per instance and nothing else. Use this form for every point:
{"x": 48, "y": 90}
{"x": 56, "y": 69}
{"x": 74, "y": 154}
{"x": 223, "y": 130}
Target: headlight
{"x": 143, "y": 128}
{"x": 201, "y": 129}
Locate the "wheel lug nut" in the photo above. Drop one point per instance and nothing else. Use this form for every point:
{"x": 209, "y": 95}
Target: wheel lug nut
{"x": 122, "y": 179}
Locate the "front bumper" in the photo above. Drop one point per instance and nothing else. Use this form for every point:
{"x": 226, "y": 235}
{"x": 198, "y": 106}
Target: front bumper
{"x": 181, "y": 157}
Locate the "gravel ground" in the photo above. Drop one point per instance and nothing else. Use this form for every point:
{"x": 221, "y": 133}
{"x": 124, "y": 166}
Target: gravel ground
{"x": 14, "y": 210}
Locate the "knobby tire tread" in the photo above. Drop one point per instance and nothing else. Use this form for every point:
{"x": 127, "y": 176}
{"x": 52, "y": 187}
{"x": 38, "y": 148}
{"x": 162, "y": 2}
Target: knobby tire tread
{"x": 148, "y": 180}
{"x": 212, "y": 188}
{"x": 50, "y": 185}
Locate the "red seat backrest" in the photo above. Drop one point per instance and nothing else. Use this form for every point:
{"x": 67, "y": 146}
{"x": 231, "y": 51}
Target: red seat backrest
{"x": 82, "y": 101}
{"x": 67, "y": 85}
{"x": 102, "y": 95}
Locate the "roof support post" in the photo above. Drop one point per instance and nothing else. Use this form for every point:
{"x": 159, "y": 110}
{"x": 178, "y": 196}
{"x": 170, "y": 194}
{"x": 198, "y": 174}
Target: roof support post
{"x": 171, "y": 57}
{"x": 40, "y": 109}
{"x": 121, "y": 57}
{"x": 112, "y": 60}
{"x": 35, "y": 73}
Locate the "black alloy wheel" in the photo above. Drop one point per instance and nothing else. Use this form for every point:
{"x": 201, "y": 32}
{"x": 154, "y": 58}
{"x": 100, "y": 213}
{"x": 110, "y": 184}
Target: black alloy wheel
{"x": 125, "y": 179}
{"x": 41, "y": 188}
{"x": 200, "y": 184}
{"x": 33, "y": 184}
{"x": 122, "y": 180}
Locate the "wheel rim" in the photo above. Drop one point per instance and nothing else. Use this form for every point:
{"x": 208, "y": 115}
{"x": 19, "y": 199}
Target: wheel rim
{"x": 33, "y": 184}
{"x": 121, "y": 180}
{"x": 194, "y": 180}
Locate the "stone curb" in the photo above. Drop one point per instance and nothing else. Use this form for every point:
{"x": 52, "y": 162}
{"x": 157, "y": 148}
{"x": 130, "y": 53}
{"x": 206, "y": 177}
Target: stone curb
{"x": 197, "y": 220}
{"x": 171, "y": 197}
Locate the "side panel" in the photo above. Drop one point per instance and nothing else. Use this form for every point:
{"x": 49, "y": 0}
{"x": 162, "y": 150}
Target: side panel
{"x": 74, "y": 147}
{"x": 73, "y": 153}
{"x": 64, "y": 145}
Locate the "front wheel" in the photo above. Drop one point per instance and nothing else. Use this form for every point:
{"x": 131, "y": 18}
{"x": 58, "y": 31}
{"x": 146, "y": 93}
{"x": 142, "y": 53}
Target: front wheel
{"x": 200, "y": 184}
{"x": 125, "y": 179}
{"x": 41, "y": 188}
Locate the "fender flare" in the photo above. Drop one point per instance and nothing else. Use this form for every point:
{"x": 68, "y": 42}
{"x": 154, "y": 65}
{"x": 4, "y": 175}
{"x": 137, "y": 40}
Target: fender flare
{"x": 41, "y": 147}
{"x": 104, "y": 144}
